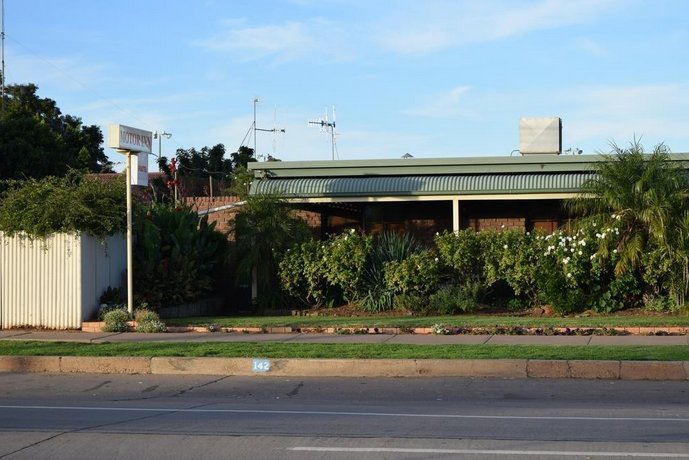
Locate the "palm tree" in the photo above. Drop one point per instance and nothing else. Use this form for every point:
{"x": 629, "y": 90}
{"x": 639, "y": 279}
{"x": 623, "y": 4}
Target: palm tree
{"x": 643, "y": 195}
{"x": 264, "y": 228}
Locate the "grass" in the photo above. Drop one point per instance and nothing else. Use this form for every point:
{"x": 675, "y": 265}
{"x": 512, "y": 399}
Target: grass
{"x": 347, "y": 351}
{"x": 428, "y": 321}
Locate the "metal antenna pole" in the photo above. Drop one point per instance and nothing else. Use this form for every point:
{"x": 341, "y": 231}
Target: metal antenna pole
{"x": 2, "y": 56}
{"x": 255, "y": 152}
{"x": 328, "y": 126}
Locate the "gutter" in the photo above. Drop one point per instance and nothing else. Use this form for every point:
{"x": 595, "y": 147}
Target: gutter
{"x": 222, "y": 208}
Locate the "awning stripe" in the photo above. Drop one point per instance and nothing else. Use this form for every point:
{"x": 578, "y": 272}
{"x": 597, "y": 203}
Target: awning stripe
{"x": 488, "y": 184}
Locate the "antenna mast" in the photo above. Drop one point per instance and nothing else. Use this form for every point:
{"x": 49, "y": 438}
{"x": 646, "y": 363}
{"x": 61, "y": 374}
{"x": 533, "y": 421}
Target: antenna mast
{"x": 255, "y": 128}
{"x": 327, "y": 126}
{"x": 2, "y": 55}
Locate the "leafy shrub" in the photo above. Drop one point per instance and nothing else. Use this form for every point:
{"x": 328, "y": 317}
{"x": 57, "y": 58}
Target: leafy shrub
{"x": 450, "y": 300}
{"x": 411, "y": 303}
{"x": 659, "y": 304}
{"x": 517, "y": 304}
{"x": 105, "y": 308}
{"x": 519, "y": 261}
{"x": 418, "y": 274}
{"x": 115, "y": 320}
{"x": 345, "y": 260}
{"x": 112, "y": 296}
{"x": 622, "y": 292}
{"x": 461, "y": 252}
{"x": 577, "y": 268}
{"x": 321, "y": 273}
{"x": 148, "y": 321}
{"x": 70, "y": 204}
{"x": 386, "y": 247}
{"x": 264, "y": 228}
{"x": 176, "y": 255}
{"x": 302, "y": 273}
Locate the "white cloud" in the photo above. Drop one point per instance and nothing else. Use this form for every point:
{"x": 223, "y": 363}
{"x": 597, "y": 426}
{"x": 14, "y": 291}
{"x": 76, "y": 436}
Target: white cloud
{"x": 66, "y": 73}
{"x": 261, "y": 40}
{"x": 434, "y": 25}
{"x": 284, "y": 42}
{"x": 655, "y": 112}
{"x": 591, "y": 47}
{"x": 445, "y": 105}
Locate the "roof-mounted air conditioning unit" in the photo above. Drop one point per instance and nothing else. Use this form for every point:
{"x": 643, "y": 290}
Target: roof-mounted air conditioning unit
{"x": 540, "y": 135}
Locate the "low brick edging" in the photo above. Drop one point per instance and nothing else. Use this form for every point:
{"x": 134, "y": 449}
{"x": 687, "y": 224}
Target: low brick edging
{"x": 98, "y": 327}
{"x": 481, "y": 368}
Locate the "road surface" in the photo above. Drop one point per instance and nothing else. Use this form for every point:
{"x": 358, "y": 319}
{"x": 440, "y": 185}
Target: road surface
{"x": 111, "y": 416}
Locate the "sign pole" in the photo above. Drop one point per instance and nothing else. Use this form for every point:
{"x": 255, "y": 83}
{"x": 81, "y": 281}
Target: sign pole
{"x": 130, "y": 262}
{"x": 131, "y": 141}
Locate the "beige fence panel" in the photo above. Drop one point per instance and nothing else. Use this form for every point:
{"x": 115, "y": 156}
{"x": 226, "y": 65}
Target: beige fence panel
{"x": 56, "y": 283}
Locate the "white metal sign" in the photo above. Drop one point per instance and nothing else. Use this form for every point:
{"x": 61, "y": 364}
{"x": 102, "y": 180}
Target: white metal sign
{"x": 140, "y": 169}
{"x": 123, "y": 137}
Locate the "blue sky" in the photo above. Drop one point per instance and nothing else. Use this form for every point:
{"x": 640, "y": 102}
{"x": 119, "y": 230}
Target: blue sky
{"x": 433, "y": 78}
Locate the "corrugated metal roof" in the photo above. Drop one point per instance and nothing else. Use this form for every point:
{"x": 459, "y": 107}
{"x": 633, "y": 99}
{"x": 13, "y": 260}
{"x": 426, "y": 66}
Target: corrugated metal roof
{"x": 526, "y": 164}
{"x": 308, "y": 187}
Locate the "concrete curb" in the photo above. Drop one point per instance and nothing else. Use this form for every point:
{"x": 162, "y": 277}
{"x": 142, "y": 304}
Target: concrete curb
{"x": 480, "y": 368}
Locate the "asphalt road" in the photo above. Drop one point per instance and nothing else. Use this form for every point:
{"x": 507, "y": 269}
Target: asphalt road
{"x": 90, "y": 416}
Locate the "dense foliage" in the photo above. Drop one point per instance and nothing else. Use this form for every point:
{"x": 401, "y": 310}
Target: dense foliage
{"x": 70, "y": 204}
{"x": 205, "y": 171}
{"x": 264, "y": 228}
{"x": 629, "y": 247}
{"x": 370, "y": 271}
{"x": 177, "y": 256}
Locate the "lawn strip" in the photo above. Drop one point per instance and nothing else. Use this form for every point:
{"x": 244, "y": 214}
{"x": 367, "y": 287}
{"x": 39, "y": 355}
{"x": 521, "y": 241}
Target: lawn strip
{"x": 485, "y": 321}
{"x": 347, "y": 351}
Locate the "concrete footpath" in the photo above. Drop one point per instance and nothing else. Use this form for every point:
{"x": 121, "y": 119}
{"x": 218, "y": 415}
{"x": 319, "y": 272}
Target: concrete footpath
{"x": 259, "y": 367}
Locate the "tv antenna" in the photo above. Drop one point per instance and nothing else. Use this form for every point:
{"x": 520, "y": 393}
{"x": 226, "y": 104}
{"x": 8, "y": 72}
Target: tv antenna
{"x": 327, "y": 127}
{"x": 273, "y": 130}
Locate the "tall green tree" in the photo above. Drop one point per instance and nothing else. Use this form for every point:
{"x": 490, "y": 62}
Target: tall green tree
{"x": 243, "y": 156}
{"x": 37, "y": 140}
{"x": 646, "y": 194}
{"x": 197, "y": 170}
{"x": 202, "y": 163}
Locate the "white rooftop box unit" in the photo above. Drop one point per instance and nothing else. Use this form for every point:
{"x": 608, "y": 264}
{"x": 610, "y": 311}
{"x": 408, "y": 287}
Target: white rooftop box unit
{"x": 540, "y": 135}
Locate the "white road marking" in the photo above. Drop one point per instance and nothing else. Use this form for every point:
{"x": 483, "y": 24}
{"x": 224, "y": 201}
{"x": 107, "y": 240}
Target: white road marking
{"x": 341, "y": 413}
{"x": 557, "y": 453}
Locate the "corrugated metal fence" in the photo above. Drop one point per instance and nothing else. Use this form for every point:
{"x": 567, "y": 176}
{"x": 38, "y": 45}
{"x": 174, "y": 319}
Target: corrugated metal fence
{"x": 56, "y": 283}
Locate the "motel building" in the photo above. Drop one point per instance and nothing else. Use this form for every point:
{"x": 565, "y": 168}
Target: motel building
{"x": 430, "y": 195}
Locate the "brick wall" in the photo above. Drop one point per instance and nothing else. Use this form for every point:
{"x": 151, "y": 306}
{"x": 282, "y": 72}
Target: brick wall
{"x": 498, "y": 223}
{"x": 313, "y": 219}
{"x": 224, "y": 218}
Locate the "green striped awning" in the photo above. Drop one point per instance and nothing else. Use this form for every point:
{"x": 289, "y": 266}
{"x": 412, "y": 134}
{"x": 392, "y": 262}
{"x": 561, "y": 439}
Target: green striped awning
{"x": 479, "y": 184}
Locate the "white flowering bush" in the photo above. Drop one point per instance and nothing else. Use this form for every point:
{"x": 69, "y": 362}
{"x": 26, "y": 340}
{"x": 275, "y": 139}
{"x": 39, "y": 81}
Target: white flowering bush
{"x": 579, "y": 270}
{"x": 115, "y": 320}
{"x": 569, "y": 270}
{"x": 148, "y": 321}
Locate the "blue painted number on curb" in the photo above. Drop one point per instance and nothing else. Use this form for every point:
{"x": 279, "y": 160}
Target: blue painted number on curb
{"x": 260, "y": 365}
